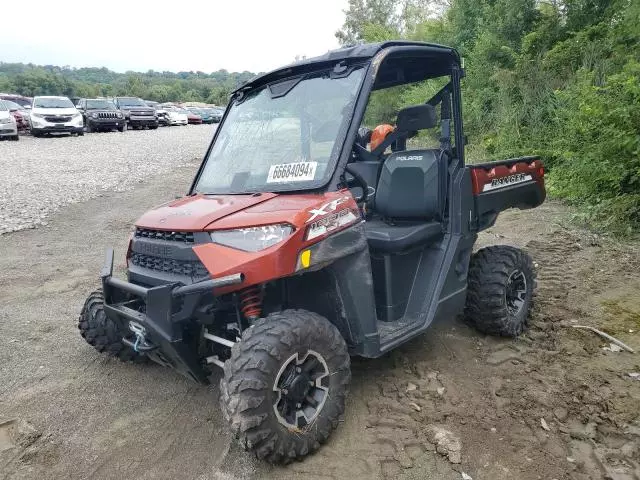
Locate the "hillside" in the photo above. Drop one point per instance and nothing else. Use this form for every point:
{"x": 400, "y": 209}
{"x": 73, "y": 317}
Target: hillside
{"x": 29, "y": 79}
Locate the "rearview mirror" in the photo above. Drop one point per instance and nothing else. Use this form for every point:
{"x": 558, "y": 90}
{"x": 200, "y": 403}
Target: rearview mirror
{"x": 418, "y": 117}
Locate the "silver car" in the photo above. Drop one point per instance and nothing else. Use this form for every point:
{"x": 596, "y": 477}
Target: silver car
{"x": 8, "y": 126}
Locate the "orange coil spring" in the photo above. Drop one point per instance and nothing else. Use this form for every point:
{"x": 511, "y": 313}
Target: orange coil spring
{"x": 251, "y": 302}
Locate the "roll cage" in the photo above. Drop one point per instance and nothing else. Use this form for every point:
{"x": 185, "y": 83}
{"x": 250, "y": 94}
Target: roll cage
{"x": 386, "y": 65}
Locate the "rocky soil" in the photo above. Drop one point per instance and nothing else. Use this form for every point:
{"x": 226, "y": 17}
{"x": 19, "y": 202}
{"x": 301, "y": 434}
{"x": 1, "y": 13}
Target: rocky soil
{"x": 557, "y": 403}
{"x": 40, "y": 175}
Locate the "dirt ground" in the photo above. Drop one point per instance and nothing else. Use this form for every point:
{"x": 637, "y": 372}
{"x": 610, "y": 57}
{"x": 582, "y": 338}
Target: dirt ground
{"x": 551, "y": 405}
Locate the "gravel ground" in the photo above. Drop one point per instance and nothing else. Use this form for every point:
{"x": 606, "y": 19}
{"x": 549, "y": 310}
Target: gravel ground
{"x": 450, "y": 404}
{"x": 40, "y": 175}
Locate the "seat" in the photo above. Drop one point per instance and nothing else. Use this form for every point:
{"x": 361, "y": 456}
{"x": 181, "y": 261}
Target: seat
{"x": 387, "y": 238}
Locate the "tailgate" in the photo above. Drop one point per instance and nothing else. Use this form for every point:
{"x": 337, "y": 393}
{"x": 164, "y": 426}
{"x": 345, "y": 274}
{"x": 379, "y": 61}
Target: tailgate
{"x": 513, "y": 183}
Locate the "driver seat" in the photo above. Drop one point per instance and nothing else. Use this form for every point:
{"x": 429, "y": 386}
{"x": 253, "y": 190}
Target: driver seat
{"x": 411, "y": 191}
{"x": 408, "y": 199}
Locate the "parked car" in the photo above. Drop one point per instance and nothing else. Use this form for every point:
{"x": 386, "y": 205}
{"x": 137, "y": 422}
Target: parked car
{"x": 101, "y": 115}
{"x": 51, "y": 114}
{"x": 8, "y": 126}
{"x": 203, "y": 113}
{"x": 161, "y": 113}
{"x": 20, "y": 114}
{"x": 24, "y": 102}
{"x": 193, "y": 118}
{"x": 176, "y": 115}
{"x": 216, "y": 113}
{"x": 137, "y": 113}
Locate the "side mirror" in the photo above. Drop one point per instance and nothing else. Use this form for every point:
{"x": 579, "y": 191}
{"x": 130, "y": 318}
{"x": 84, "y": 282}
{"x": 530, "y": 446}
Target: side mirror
{"x": 418, "y": 117}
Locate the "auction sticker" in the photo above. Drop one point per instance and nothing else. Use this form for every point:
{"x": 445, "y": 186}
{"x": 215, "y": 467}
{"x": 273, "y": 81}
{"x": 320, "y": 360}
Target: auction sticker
{"x": 292, "y": 172}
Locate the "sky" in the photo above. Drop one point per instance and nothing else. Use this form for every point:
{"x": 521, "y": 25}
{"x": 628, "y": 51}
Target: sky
{"x": 178, "y": 35}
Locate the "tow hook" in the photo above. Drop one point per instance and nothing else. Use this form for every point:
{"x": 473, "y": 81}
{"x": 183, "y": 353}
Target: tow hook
{"x": 141, "y": 345}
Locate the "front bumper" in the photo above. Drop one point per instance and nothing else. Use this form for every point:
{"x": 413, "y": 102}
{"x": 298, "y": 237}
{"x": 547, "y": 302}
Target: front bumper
{"x": 57, "y": 129}
{"x": 106, "y": 122}
{"x": 8, "y": 129}
{"x": 40, "y": 125}
{"x": 161, "y": 315}
{"x": 142, "y": 121}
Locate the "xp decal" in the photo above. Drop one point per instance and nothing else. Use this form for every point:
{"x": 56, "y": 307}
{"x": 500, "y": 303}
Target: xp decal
{"x": 326, "y": 208}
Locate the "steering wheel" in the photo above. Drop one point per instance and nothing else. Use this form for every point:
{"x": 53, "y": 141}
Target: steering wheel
{"x": 357, "y": 181}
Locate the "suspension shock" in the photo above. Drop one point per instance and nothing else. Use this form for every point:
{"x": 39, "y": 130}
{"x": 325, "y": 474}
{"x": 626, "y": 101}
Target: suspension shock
{"x": 251, "y": 302}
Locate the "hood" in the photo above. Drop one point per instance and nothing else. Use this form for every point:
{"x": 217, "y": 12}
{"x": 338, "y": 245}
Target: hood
{"x": 196, "y": 212}
{"x": 55, "y": 111}
{"x": 142, "y": 109}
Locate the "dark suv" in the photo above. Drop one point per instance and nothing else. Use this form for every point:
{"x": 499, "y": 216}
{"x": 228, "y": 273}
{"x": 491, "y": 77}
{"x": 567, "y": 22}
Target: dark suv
{"x": 137, "y": 112}
{"x": 101, "y": 114}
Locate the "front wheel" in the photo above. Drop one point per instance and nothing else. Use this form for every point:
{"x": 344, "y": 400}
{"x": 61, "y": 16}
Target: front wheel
{"x": 284, "y": 387}
{"x": 102, "y": 333}
{"x": 501, "y": 283}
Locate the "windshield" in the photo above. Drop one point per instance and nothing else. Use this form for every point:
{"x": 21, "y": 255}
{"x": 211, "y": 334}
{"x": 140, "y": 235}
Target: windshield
{"x": 131, "y": 102}
{"x": 12, "y": 105}
{"x": 100, "y": 105}
{"x": 56, "y": 102}
{"x": 281, "y": 137}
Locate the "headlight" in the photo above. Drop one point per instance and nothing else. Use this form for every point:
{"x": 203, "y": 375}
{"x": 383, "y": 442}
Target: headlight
{"x": 37, "y": 115}
{"x": 94, "y": 115}
{"x": 76, "y": 115}
{"x": 6, "y": 120}
{"x": 119, "y": 115}
{"x": 252, "y": 239}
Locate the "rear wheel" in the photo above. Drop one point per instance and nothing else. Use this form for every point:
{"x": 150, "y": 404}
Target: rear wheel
{"x": 500, "y": 289}
{"x": 102, "y": 333}
{"x": 285, "y": 385}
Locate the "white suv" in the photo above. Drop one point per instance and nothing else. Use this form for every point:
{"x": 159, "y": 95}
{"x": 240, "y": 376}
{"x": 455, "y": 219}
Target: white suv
{"x": 8, "y": 127}
{"x": 55, "y": 115}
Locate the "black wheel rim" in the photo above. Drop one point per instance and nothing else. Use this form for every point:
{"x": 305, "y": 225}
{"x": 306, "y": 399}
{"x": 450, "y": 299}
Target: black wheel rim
{"x": 302, "y": 387}
{"x": 516, "y": 292}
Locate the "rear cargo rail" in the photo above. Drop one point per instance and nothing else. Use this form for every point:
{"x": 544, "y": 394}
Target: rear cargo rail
{"x": 504, "y": 184}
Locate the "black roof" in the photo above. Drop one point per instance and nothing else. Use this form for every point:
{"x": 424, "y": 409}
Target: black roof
{"x": 353, "y": 53}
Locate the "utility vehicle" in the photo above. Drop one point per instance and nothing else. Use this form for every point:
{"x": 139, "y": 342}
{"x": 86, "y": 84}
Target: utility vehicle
{"x": 299, "y": 245}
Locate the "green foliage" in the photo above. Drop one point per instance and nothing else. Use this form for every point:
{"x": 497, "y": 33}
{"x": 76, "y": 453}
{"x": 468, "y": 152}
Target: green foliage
{"x": 560, "y": 79}
{"x": 33, "y": 80}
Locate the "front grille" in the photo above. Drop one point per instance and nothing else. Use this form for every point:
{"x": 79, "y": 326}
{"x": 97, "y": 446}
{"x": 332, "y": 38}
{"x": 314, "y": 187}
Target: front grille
{"x": 186, "y": 237}
{"x": 189, "y": 268}
{"x": 107, "y": 115}
{"x": 58, "y": 118}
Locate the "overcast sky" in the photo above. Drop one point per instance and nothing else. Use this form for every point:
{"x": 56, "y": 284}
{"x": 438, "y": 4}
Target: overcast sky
{"x": 205, "y": 35}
